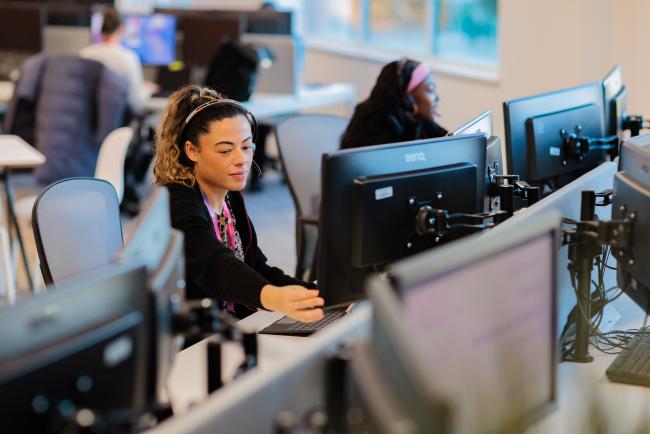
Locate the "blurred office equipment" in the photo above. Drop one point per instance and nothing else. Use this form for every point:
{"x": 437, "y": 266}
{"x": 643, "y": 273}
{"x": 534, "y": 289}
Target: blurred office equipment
{"x": 448, "y": 354}
{"x": 151, "y": 37}
{"x": 75, "y": 357}
{"x": 280, "y": 72}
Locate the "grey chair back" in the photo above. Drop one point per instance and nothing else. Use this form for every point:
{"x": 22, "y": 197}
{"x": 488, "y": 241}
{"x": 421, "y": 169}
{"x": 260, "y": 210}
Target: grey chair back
{"x": 77, "y": 227}
{"x": 302, "y": 140}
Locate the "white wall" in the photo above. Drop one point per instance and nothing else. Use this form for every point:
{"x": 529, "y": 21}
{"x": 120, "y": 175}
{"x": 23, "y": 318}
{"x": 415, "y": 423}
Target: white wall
{"x": 544, "y": 45}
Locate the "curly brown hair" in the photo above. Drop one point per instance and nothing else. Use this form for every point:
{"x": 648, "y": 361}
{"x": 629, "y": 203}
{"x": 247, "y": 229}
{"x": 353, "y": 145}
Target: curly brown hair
{"x": 171, "y": 165}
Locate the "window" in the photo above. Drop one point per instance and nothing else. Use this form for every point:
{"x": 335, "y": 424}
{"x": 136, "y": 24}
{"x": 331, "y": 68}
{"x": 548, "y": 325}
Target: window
{"x": 334, "y": 19}
{"x": 464, "y": 30}
{"x": 396, "y": 24}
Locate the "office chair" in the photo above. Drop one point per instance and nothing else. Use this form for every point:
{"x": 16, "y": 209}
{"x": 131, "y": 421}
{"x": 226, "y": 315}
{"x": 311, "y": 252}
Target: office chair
{"x": 302, "y": 140}
{"x": 77, "y": 227}
{"x": 112, "y": 154}
{"x": 110, "y": 167}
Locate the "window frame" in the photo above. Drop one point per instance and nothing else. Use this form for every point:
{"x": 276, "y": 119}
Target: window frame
{"x": 361, "y": 49}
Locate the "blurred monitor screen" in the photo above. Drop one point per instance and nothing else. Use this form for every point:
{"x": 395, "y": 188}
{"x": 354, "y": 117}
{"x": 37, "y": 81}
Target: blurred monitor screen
{"x": 152, "y": 37}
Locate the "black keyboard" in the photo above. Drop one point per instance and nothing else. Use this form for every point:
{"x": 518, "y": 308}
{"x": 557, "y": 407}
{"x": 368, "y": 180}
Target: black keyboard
{"x": 632, "y": 366}
{"x": 286, "y": 326}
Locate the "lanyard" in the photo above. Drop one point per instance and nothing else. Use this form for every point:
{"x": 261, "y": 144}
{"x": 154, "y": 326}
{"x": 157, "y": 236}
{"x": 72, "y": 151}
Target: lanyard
{"x": 213, "y": 215}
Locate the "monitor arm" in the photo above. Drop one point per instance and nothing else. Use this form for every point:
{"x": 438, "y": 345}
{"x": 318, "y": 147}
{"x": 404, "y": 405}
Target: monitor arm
{"x": 440, "y": 223}
{"x": 635, "y": 123}
{"x": 201, "y": 319}
{"x": 586, "y": 239}
{"x": 513, "y": 187}
{"x": 577, "y": 145}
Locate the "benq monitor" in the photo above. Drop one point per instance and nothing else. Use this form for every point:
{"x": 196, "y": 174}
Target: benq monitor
{"x": 367, "y": 214}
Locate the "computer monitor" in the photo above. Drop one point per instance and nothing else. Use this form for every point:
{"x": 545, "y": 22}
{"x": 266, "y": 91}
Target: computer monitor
{"x": 152, "y": 37}
{"x": 480, "y": 124}
{"x": 282, "y": 75}
{"x": 494, "y": 161}
{"x": 615, "y": 94}
{"x": 151, "y": 241}
{"x": 367, "y": 218}
{"x": 632, "y": 195}
{"x": 535, "y": 147}
{"x": 204, "y": 34}
{"x": 81, "y": 343}
{"x": 269, "y": 22}
{"x": 471, "y": 325}
{"x": 20, "y": 27}
{"x": 567, "y": 201}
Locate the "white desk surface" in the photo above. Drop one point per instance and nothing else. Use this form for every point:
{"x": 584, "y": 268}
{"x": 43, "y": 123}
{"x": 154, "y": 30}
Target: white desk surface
{"x": 15, "y": 153}
{"x": 585, "y": 394}
{"x": 270, "y": 105}
{"x": 187, "y": 383}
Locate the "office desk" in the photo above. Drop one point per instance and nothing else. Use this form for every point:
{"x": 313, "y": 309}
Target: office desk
{"x": 289, "y": 376}
{"x": 585, "y": 394}
{"x": 270, "y": 105}
{"x": 15, "y": 153}
{"x": 187, "y": 382}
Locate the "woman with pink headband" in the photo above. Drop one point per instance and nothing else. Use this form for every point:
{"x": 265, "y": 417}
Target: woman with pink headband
{"x": 402, "y": 106}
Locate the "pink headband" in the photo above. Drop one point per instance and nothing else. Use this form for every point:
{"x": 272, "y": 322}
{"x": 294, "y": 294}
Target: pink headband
{"x": 419, "y": 74}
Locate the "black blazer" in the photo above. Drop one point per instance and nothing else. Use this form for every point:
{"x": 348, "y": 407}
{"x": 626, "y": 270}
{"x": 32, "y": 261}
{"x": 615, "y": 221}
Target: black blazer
{"x": 212, "y": 269}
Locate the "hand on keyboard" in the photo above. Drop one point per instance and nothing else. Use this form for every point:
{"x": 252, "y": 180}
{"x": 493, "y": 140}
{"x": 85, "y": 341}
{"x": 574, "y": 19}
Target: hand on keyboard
{"x": 294, "y": 301}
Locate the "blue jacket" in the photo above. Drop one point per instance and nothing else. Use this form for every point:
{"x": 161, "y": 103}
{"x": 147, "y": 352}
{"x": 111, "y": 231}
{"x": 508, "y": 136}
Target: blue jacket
{"x": 65, "y": 106}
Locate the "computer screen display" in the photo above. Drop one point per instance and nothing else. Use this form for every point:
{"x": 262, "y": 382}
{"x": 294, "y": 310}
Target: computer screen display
{"x": 152, "y": 37}
{"x": 535, "y": 147}
{"x": 487, "y": 327}
{"x": 467, "y": 332}
{"x": 348, "y": 181}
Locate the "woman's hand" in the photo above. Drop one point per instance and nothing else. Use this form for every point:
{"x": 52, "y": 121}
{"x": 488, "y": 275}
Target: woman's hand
{"x": 296, "y": 302}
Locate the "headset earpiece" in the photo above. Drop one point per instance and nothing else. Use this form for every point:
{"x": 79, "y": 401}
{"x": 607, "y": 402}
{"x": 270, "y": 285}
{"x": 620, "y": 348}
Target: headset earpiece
{"x": 408, "y": 103}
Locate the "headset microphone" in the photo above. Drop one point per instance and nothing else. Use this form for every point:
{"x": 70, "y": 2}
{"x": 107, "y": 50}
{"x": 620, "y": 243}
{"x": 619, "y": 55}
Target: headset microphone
{"x": 257, "y": 168}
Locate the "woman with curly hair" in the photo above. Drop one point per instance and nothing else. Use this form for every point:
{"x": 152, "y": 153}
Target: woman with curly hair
{"x": 204, "y": 151}
{"x": 401, "y": 107}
